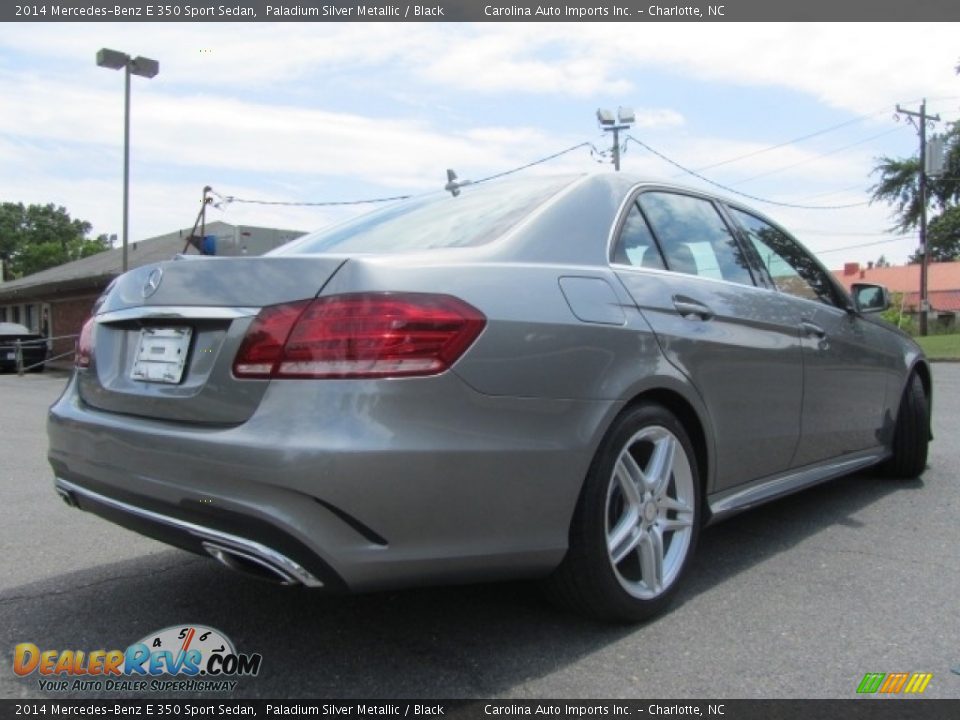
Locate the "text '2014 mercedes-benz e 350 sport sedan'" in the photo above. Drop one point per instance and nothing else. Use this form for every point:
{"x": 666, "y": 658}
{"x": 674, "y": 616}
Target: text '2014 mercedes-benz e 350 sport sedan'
{"x": 556, "y": 377}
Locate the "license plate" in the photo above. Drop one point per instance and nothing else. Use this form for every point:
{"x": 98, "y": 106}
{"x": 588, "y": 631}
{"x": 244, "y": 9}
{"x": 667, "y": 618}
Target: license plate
{"x": 161, "y": 354}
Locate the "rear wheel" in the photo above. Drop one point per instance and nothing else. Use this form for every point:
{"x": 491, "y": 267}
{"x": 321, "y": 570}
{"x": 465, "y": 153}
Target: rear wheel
{"x": 636, "y": 523}
{"x": 912, "y": 434}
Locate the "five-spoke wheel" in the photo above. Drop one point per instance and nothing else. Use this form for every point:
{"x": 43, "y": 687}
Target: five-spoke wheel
{"x": 650, "y": 511}
{"x": 637, "y": 519}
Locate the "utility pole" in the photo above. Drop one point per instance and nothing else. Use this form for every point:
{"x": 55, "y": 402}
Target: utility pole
{"x": 925, "y": 256}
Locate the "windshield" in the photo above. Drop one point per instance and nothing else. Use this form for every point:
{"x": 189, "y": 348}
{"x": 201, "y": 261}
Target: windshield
{"x": 480, "y": 214}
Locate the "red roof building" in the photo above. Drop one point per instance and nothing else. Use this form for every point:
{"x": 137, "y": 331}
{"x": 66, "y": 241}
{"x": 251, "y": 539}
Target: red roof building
{"x": 943, "y": 283}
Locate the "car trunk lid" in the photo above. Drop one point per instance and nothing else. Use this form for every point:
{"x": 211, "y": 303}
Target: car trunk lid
{"x": 165, "y": 335}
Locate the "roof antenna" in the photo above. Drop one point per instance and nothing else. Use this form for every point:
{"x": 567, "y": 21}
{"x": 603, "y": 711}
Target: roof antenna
{"x": 453, "y": 185}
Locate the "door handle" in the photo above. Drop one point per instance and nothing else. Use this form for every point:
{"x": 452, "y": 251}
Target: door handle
{"x": 813, "y": 330}
{"x": 690, "y": 308}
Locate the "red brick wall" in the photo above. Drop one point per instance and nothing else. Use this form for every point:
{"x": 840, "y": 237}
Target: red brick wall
{"x": 66, "y": 318}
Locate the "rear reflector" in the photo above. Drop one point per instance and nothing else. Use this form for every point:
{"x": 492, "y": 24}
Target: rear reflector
{"x": 362, "y": 335}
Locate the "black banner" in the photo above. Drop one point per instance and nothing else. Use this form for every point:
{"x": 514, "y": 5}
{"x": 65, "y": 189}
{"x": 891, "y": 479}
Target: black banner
{"x": 859, "y": 709}
{"x": 479, "y": 11}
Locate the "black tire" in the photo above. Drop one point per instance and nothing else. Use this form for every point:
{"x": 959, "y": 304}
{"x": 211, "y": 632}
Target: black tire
{"x": 912, "y": 434}
{"x": 590, "y": 580}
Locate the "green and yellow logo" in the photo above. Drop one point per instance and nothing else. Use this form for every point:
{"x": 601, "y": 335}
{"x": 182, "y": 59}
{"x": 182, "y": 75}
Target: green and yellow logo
{"x": 894, "y": 683}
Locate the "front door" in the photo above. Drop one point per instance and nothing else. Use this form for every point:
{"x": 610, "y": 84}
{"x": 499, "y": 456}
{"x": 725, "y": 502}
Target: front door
{"x": 845, "y": 378}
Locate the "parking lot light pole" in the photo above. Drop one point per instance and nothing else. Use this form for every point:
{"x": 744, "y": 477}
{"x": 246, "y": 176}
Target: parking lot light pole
{"x": 623, "y": 120}
{"x": 144, "y": 67}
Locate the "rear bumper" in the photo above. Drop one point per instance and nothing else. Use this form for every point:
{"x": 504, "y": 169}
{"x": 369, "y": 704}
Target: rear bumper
{"x": 238, "y": 550}
{"x": 362, "y": 485}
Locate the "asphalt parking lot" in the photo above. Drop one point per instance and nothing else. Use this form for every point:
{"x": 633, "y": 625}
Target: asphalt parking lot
{"x": 800, "y": 598}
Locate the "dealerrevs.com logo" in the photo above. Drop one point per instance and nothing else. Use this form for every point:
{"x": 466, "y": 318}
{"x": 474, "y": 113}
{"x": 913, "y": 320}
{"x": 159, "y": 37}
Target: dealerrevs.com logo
{"x": 200, "y": 659}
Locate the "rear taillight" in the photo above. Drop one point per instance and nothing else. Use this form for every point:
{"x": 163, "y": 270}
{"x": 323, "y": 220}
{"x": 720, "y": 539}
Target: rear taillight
{"x": 84, "y": 349}
{"x": 363, "y": 335}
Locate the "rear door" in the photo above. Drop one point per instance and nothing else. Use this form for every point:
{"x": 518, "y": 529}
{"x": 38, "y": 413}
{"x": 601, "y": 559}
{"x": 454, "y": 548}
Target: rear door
{"x": 738, "y": 344}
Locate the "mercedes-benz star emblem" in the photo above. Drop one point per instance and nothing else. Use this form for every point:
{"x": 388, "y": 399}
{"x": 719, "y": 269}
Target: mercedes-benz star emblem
{"x": 153, "y": 282}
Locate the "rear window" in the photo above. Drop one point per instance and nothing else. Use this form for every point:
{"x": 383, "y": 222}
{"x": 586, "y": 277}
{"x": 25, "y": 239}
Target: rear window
{"x": 480, "y": 214}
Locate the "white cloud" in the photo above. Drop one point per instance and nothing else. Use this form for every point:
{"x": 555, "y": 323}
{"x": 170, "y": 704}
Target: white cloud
{"x": 233, "y": 134}
{"x": 239, "y": 102}
{"x": 854, "y": 66}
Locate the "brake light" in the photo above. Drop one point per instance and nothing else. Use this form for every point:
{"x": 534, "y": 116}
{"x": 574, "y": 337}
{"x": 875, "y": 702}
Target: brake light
{"x": 84, "y": 348}
{"x": 362, "y": 335}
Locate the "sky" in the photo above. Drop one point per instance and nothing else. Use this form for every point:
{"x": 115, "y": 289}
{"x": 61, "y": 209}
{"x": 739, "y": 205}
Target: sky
{"x": 318, "y": 112}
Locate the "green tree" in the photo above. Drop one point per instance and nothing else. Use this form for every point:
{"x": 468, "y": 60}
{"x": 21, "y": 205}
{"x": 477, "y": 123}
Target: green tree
{"x": 899, "y": 185}
{"x": 943, "y": 235}
{"x": 36, "y": 237}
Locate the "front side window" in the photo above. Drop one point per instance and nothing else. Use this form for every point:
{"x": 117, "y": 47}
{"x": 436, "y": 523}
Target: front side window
{"x": 792, "y": 269}
{"x": 694, "y": 237}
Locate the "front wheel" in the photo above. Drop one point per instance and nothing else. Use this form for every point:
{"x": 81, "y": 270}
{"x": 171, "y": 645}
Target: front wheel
{"x": 636, "y": 522}
{"x": 912, "y": 434}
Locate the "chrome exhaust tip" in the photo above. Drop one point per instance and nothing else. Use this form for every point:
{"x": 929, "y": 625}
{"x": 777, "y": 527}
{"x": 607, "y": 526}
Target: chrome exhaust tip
{"x": 67, "y": 497}
{"x": 249, "y": 563}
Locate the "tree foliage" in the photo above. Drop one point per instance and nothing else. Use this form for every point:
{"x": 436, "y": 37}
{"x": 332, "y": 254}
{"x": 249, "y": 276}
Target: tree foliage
{"x": 943, "y": 235}
{"x": 899, "y": 185}
{"x": 37, "y": 237}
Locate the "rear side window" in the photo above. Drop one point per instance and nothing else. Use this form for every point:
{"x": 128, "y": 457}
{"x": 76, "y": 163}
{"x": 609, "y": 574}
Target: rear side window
{"x": 694, "y": 237}
{"x": 792, "y": 269}
{"x": 480, "y": 214}
{"x": 636, "y": 245}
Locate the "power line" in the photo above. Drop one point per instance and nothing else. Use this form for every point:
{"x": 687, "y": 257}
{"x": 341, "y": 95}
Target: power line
{"x": 833, "y": 233}
{"x": 817, "y": 157}
{"x": 233, "y": 199}
{"x": 227, "y": 199}
{"x": 535, "y": 162}
{"x": 754, "y": 153}
{"x": 858, "y": 187}
{"x": 861, "y": 245}
{"x": 737, "y": 192}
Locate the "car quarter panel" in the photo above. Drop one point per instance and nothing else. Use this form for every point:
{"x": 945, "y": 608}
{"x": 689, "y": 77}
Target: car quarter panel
{"x": 533, "y": 344}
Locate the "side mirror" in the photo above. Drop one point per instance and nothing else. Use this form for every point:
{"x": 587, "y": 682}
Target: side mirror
{"x": 869, "y": 298}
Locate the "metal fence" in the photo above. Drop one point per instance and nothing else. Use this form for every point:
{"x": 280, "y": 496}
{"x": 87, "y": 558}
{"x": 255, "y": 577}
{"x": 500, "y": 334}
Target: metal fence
{"x": 18, "y": 346}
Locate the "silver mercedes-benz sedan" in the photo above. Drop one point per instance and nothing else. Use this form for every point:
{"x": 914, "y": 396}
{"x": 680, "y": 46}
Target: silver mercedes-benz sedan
{"x": 555, "y": 377}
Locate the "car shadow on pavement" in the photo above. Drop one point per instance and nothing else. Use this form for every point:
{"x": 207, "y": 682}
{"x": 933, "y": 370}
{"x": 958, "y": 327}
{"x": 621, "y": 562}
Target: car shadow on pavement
{"x": 741, "y": 542}
{"x": 450, "y": 642}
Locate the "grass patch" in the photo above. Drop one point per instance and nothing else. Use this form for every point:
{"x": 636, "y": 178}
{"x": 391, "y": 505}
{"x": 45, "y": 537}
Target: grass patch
{"x": 941, "y": 347}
